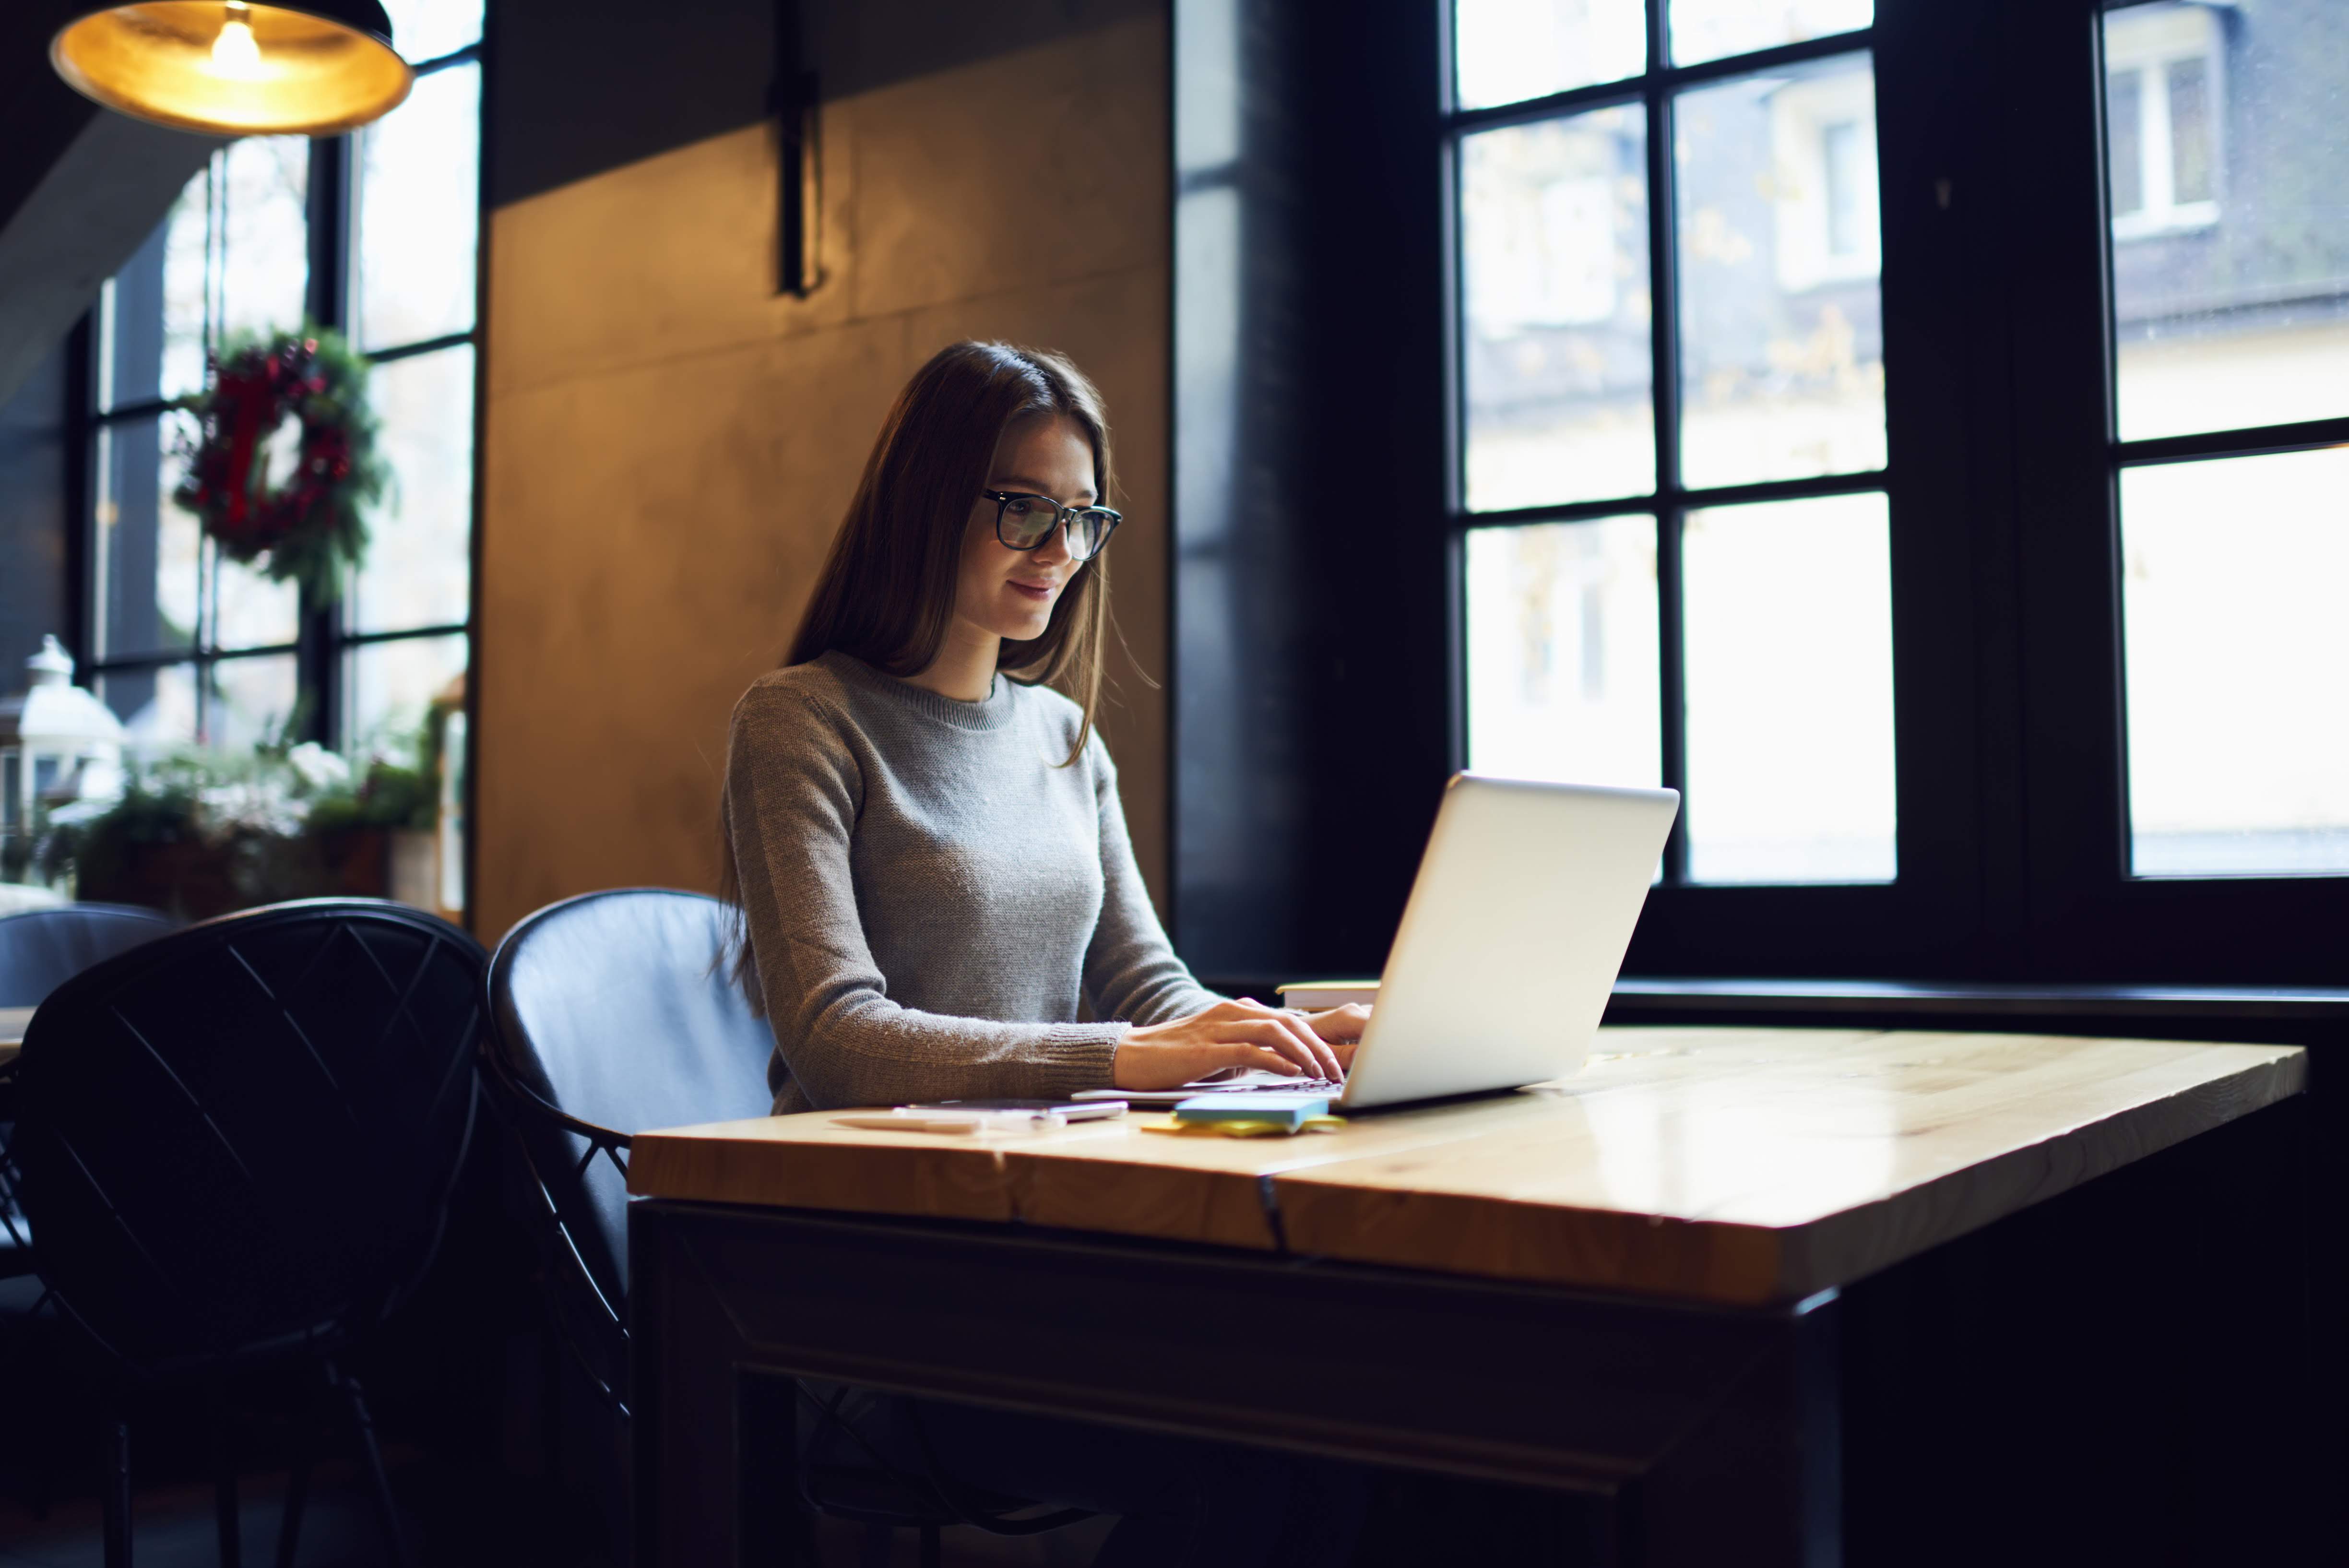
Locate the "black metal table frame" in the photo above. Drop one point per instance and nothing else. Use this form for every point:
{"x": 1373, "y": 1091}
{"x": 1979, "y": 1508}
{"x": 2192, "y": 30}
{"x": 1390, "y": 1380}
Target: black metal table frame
{"x": 2057, "y": 1360}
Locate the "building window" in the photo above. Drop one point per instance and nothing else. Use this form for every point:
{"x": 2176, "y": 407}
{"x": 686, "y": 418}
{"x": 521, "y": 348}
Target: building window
{"x": 1670, "y": 476}
{"x": 2230, "y": 377}
{"x": 2162, "y": 81}
{"x": 375, "y": 234}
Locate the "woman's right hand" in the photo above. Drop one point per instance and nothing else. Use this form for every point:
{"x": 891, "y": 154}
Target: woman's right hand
{"x": 1242, "y": 1033}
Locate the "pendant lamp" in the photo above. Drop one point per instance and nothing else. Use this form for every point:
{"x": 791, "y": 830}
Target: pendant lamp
{"x": 312, "y": 67}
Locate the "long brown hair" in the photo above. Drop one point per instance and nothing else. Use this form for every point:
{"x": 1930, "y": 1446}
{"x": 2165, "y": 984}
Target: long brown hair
{"x": 887, "y": 591}
{"x": 886, "y": 594}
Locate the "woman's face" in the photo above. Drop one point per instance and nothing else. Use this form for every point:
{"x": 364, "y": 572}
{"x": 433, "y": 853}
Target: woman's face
{"x": 1008, "y": 592}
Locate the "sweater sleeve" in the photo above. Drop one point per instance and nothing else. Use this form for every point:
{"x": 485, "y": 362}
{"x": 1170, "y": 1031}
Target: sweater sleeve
{"x": 1130, "y": 969}
{"x": 792, "y": 793}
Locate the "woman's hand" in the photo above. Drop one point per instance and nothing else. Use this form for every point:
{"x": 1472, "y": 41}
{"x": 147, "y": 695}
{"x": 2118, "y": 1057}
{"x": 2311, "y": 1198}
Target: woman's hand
{"x": 1242, "y": 1033}
{"x": 1341, "y": 1027}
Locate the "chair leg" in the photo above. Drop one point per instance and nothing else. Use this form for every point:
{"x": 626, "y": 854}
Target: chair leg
{"x": 117, "y": 1482}
{"x": 297, "y": 1495}
{"x": 371, "y": 1458}
{"x": 297, "y": 1484}
{"x": 232, "y": 1555}
{"x": 929, "y": 1546}
{"x": 880, "y": 1545}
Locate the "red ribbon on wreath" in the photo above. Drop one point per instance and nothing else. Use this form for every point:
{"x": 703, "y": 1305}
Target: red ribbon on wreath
{"x": 310, "y": 527}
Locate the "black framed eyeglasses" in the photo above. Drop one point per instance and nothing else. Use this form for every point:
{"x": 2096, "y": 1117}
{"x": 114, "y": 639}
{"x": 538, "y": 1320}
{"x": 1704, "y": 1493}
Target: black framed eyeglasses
{"x": 1024, "y": 521}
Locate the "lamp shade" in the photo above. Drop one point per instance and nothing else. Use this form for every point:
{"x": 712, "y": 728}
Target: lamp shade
{"x": 228, "y": 68}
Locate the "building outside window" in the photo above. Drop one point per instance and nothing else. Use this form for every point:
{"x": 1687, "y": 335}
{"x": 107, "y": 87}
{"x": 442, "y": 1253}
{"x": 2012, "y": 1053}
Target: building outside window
{"x": 1671, "y": 468}
{"x": 376, "y": 235}
{"x": 2164, "y": 69}
{"x": 2230, "y": 258}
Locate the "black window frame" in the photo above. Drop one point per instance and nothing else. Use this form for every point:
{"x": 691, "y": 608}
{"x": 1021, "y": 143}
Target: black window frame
{"x": 1317, "y": 692}
{"x": 1654, "y": 92}
{"x": 2085, "y": 911}
{"x": 1915, "y": 920}
{"x": 324, "y": 640}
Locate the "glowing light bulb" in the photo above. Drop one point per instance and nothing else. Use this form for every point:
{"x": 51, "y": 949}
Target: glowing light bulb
{"x": 235, "y": 56}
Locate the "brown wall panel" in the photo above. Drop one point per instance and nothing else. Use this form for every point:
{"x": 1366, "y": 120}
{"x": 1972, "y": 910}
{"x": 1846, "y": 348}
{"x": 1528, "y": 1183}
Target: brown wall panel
{"x": 670, "y": 443}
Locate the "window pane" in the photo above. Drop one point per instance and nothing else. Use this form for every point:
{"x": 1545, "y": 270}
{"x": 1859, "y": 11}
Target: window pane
{"x": 185, "y": 240}
{"x": 419, "y": 569}
{"x": 1509, "y": 50}
{"x": 232, "y": 705}
{"x": 1789, "y": 683}
{"x": 1555, "y": 348}
{"x": 2189, "y": 131}
{"x": 1562, "y": 664}
{"x": 250, "y": 611}
{"x": 261, "y": 234}
{"x": 233, "y": 254}
{"x": 2230, "y": 244}
{"x": 130, "y": 322}
{"x": 161, "y": 587}
{"x": 2237, "y": 656}
{"x": 1781, "y": 357}
{"x": 417, "y": 212}
{"x": 427, "y": 29}
{"x": 391, "y": 686}
{"x": 249, "y": 701}
{"x": 149, "y": 553}
{"x": 157, "y": 707}
{"x": 2124, "y": 140}
{"x": 1715, "y": 29}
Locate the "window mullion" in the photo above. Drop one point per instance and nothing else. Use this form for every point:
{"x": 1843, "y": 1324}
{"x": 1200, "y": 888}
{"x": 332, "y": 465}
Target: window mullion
{"x": 1663, "y": 319}
{"x": 319, "y": 665}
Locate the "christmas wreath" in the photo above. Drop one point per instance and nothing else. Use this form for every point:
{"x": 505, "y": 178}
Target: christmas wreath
{"x": 310, "y": 524}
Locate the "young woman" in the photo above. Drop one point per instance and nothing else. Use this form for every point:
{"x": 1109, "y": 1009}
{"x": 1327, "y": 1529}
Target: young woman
{"x": 927, "y": 837}
{"x": 935, "y": 874}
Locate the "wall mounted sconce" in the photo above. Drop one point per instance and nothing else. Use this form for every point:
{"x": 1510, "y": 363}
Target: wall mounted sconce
{"x": 312, "y": 67}
{"x": 794, "y": 99}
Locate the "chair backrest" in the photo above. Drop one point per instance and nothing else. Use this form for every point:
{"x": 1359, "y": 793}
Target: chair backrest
{"x": 241, "y": 1138}
{"x": 613, "y": 1010}
{"x": 40, "y": 950}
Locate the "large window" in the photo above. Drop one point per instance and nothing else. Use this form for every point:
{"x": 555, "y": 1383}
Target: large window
{"x": 2230, "y": 295}
{"x": 374, "y": 234}
{"x": 1671, "y": 458}
{"x": 1916, "y": 430}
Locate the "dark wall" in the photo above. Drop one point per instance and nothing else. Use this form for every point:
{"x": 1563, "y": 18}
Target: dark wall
{"x": 33, "y": 505}
{"x": 608, "y": 82}
{"x": 39, "y": 115}
{"x": 1311, "y": 737}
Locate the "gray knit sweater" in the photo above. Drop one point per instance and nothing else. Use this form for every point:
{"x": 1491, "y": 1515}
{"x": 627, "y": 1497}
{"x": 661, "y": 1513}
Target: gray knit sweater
{"x": 929, "y": 895}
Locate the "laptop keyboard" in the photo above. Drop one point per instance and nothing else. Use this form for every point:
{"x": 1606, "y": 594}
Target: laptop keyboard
{"x": 1256, "y": 1083}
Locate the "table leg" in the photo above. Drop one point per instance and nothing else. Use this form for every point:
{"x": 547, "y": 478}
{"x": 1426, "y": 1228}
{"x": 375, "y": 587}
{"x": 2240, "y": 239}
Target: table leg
{"x": 1711, "y": 1433}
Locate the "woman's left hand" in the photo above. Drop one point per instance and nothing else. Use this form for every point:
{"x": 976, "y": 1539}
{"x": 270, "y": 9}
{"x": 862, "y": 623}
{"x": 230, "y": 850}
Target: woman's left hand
{"x": 1341, "y": 1028}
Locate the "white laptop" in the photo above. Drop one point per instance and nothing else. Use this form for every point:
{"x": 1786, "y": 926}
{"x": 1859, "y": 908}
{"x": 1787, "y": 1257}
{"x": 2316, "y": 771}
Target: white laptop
{"x": 1509, "y": 947}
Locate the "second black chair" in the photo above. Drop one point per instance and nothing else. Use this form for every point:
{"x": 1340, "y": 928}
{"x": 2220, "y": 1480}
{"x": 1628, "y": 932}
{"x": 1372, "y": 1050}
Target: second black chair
{"x": 612, "y": 1013}
{"x": 40, "y": 950}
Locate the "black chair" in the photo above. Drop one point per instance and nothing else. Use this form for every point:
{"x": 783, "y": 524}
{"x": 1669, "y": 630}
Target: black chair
{"x": 236, "y": 1145}
{"x": 612, "y": 1013}
{"x": 40, "y": 950}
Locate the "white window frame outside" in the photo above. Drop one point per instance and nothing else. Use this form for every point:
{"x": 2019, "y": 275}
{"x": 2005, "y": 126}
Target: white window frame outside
{"x": 2148, "y": 40}
{"x": 1800, "y": 115}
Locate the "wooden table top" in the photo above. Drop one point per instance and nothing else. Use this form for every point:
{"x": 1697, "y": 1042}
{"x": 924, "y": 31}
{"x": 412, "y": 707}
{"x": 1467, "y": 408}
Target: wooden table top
{"x": 1727, "y": 1165}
